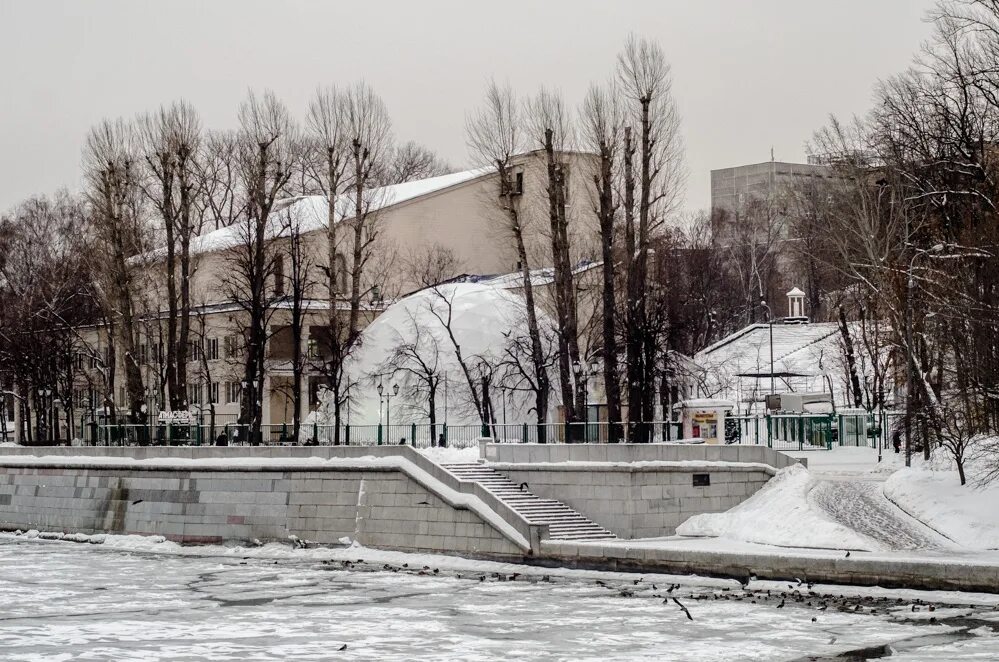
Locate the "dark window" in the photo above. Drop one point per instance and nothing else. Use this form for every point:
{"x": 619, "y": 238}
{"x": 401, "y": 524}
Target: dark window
{"x": 702, "y": 480}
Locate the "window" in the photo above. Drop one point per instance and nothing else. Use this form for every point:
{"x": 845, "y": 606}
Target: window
{"x": 231, "y": 346}
{"x": 194, "y": 352}
{"x": 78, "y": 360}
{"x": 518, "y": 183}
{"x": 143, "y": 354}
{"x": 213, "y": 393}
{"x": 212, "y": 349}
{"x": 233, "y": 392}
{"x": 94, "y": 361}
{"x": 279, "y": 275}
{"x": 194, "y": 394}
{"x": 313, "y": 349}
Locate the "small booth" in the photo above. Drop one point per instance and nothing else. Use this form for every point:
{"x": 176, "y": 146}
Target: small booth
{"x": 704, "y": 419}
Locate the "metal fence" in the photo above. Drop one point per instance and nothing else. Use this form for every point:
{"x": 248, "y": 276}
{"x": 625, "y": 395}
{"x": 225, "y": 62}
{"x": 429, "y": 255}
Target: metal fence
{"x": 419, "y": 435}
{"x": 815, "y": 431}
{"x": 778, "y": 431}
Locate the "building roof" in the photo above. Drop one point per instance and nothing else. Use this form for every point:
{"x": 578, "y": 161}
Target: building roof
{"x": 798, "y": 349}
{"x": 311, "y": 212}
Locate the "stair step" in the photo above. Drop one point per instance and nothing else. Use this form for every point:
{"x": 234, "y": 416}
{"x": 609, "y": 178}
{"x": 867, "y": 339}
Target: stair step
{"x": 563, "y": 522}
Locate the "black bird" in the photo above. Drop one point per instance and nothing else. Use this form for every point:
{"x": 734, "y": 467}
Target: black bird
{"x": 685, "y": 610}
{"x": 847, "y": 555}
{"x": 342, "y": 648}
{"x": 781, "y": 605}
{"x": 523, "y": 487}
{"x": 672, "y": 587}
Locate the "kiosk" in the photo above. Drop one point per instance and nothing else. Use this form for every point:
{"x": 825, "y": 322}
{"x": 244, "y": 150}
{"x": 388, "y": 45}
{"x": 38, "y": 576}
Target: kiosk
{"x": 704, "y": 419}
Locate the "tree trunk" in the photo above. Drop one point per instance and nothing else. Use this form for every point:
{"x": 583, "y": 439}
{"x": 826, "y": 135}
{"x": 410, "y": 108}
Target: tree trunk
{"x": 565, "y": 294}
{"x": 612, "y": 387}
{"x": 851, "y": 360}
{"x": 634, "y": 303}
{"x": 542, "y": 383}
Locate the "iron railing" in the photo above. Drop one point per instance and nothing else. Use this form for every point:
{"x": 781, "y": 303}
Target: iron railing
{"x": 778, "y": 431}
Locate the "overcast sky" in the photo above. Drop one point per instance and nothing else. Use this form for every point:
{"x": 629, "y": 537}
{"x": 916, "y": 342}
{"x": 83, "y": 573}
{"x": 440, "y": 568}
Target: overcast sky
{"x": 748, "y": 75}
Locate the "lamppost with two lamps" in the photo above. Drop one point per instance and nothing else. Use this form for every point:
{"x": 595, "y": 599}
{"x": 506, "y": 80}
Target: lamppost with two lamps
{"x": 583, "y": 373}
{"x": 387, "y": 397}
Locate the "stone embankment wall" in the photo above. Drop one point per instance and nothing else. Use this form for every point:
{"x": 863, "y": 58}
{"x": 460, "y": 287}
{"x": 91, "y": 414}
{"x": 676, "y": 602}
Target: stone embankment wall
{"x": 379, "y": 506}
{"x": 639, "y": 490}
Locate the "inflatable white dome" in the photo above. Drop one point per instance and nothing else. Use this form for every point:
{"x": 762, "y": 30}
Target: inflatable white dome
{"x": 483, "y": 318}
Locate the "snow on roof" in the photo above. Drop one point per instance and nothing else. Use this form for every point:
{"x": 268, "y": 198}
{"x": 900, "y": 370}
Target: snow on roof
{"x": 539, "y": 277}
{"x": 311, "y": 212}
{"x": 704, "y": 403}
{"x": 797, "y": 349}
{"x": 795, "y": 292}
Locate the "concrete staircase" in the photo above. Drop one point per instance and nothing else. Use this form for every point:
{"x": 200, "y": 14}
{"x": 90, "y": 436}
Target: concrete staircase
{"x": 563, "y": 522}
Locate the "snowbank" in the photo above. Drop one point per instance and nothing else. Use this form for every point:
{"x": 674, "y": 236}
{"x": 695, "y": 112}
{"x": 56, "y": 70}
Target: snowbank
{"x": 932, "y": 492}
{"x": 452, "y": 455}
{"x": 779, "y": 514}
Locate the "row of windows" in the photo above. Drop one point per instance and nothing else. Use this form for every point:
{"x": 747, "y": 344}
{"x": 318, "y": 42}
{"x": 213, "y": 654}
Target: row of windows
{"x": 232, "y": 391}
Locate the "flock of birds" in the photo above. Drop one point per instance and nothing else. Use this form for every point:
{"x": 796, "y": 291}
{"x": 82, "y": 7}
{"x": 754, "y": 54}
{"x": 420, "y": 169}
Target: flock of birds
{"x": 798, "y": 593}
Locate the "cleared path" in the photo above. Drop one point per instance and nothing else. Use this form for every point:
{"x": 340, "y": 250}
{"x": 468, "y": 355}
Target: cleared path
{"x": 863, "y": 507}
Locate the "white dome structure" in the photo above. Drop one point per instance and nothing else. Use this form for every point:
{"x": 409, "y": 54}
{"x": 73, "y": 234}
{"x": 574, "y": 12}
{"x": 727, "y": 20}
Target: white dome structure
{"x": 482, "y": 319}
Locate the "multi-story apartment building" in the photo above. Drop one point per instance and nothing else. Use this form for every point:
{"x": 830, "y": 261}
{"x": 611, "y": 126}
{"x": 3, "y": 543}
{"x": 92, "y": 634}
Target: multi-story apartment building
{"x": 440, "y": 227}
{"x": 733, "y": 188}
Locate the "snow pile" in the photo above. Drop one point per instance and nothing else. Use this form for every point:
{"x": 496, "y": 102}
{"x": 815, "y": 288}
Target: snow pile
{"x": 482, "y": 319}
{"x": 779, "y": 514}
{"x": 932, "y": 492}
{"x": 452, "y": 455}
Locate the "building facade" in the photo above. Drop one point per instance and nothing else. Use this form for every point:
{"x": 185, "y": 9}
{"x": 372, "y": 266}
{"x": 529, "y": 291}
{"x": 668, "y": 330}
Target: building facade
{"x": 436, "y": 228}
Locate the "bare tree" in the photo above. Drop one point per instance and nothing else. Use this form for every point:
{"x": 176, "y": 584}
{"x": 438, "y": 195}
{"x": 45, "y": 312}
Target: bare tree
{"x": 550, "y": 127}
{"x": 268, "y": 141}
{"x": 170, "y": 142}
{"x": 494, "y": 137}
{"x": 646, "y": 83}
{"x": 416, "y": 362}
{"x": 411, "y": 161}
{"x": 111, "y": 173}
{"x": 601, "y": 121}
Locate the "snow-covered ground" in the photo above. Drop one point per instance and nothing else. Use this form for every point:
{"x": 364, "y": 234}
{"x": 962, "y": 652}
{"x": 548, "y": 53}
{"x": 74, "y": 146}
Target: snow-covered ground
{"x": 65, "y": 601}
{"x": 848, "y": 499}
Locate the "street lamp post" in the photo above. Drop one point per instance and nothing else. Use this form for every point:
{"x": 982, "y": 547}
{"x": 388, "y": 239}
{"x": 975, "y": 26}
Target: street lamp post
{"x": 583, "y": 374}
{"x": 388, "y": 404}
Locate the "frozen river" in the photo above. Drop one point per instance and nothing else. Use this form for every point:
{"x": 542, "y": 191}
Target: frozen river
{"x": 66, "y": 601}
